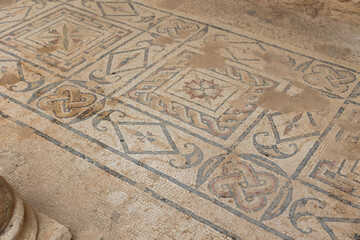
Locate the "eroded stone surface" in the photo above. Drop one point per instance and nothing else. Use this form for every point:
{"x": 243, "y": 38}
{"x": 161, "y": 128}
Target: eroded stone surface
{"x": 287, "y": 22}
{"x": 50, "y": 229}
{"x": 163, "y": 120}
{"x": 330, "y": 8}
{"x": 7, "y": 203}
{"x": 19, "y": 220}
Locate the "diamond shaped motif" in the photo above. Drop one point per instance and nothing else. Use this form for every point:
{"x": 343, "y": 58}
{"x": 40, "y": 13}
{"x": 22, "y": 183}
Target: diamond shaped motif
{"x": 123, "y": 9}
{"x": 127, "y": 60}
{"x": 145, "y": 138}
{"x": 66, "y": 39}
{"x": 296, "y": 126}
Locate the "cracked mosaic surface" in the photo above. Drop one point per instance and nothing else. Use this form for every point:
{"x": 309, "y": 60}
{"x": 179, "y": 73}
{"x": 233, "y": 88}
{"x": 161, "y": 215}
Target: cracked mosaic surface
{"x": 93, "y": 80}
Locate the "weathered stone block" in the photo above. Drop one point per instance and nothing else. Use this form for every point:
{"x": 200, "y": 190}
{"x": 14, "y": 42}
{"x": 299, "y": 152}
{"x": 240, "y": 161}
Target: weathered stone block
{"x": 19, "y": 221}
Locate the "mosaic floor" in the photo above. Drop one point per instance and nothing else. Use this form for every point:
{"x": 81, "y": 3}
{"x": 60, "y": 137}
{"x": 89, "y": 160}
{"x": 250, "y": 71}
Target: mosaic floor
{"x": 136, "y": 123}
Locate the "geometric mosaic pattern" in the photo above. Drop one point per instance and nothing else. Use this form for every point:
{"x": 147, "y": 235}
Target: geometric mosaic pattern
{"x": 93, "y": 69}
